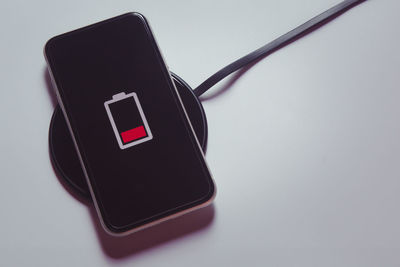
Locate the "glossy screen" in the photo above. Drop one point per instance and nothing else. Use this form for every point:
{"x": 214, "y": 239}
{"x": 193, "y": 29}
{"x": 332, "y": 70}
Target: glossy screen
{"x": 149, "y": 180}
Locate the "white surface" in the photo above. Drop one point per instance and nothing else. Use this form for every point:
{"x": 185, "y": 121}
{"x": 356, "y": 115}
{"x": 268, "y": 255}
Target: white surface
{"x": 309, "y": 177}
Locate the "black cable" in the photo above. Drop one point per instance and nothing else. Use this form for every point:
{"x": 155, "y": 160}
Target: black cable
{"x": 278, "y": 43}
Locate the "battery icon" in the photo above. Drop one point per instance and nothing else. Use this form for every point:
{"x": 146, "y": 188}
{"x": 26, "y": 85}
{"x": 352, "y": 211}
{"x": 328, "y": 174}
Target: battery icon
{"x": 127, "y": 120}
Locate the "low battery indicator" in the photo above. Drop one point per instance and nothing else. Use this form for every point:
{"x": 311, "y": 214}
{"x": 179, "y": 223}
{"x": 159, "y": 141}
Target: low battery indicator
{"x": 127, "y": 120}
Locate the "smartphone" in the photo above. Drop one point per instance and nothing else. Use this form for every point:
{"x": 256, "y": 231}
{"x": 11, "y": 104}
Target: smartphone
{"x": 140, "y": 155}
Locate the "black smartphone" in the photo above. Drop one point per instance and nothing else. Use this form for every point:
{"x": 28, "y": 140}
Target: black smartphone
{"x": 140, "y": 155}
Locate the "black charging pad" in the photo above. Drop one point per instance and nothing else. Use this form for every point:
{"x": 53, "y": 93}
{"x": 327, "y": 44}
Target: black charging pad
{"x": 62, "y": 150}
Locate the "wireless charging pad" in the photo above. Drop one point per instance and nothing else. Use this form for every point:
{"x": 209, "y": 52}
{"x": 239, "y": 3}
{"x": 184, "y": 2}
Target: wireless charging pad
{"x": 62, "y": 150}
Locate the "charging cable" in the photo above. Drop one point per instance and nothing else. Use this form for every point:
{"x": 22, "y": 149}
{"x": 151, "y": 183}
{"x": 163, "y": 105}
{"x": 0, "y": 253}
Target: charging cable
{"x": 278, "y": 43}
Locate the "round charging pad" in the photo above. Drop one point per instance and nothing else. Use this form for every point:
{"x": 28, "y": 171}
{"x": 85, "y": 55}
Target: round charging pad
{"x": 65, "y": 158}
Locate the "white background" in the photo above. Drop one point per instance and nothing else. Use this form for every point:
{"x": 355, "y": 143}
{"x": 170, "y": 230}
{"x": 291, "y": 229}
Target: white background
{"x": 309, "y": 177}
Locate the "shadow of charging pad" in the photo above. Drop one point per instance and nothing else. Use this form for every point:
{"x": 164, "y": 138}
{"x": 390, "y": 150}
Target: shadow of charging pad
{"x": 62, "y": 150}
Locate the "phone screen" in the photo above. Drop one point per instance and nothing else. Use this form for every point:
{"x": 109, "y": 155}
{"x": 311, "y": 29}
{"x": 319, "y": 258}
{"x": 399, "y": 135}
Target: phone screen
{"x": 140, "y": 154}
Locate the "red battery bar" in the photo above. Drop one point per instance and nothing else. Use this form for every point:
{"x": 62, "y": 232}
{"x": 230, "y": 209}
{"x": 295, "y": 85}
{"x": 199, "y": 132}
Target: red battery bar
{"x": 128, "y": 120}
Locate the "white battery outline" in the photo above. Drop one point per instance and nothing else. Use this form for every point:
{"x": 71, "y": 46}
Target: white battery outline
{"x": 116, "y": 98}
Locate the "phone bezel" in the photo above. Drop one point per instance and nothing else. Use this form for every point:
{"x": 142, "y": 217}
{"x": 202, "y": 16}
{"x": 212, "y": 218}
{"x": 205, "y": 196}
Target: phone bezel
{"x": 107, "y": 226}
